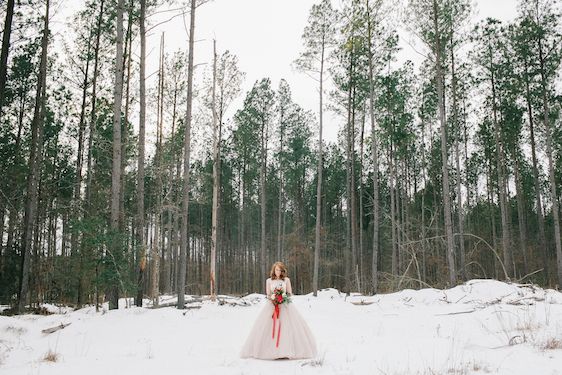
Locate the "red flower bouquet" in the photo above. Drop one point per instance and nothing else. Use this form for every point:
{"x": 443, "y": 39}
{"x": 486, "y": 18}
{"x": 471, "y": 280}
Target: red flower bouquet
{"x": 279, "y": 296}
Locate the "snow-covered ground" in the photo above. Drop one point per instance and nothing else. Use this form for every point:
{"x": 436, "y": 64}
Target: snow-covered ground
{"x": 481, "y": 327}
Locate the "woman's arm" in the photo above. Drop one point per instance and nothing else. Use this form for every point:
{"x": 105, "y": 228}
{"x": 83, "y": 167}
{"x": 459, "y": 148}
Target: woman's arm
{"x": 267, "y": 288}
{"x": 289, "y": 289}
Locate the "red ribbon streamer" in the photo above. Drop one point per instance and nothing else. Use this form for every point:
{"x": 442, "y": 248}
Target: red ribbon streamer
{"x": 275, "y": 316}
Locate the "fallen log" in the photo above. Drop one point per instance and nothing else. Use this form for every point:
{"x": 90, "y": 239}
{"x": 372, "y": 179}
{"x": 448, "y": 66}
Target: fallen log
{"x": 236, "y": 302}
{"x": 54, "y": 329}
{"x": 173, "y": 304}
{"x": 456, "y": 313}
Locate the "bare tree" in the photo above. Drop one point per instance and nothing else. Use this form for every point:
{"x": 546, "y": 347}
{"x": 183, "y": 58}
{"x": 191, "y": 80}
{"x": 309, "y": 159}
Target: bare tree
{"x": 549, "y": 151}
{"x": 35, "y": 160}
{"x": 157, "y": 243}
{"x": 318, "y": 38}
{"x": 263, "y": 168}
{"x": 500, "y": 163}
{"x": 456, "y": 123}
{"x": 186, "y": 166}
{"x": 225, "y": 86}
{"x": 216, "y": 143}
{"x": 116, "y": 170}
{"x": 437, "y": 50}
{"x": 141, "y": 242}
{"x": 77, "y": 199}
{"x": 374, "y": 144}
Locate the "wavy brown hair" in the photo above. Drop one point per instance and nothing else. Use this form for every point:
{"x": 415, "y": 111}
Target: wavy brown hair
{"x": 283, "y": 271}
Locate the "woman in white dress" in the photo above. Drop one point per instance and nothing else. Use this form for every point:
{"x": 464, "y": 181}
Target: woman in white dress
{"x": 286, "y": 336}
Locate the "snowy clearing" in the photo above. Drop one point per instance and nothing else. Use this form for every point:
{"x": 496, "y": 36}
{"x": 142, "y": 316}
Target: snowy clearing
{"x": 480, "y": 327}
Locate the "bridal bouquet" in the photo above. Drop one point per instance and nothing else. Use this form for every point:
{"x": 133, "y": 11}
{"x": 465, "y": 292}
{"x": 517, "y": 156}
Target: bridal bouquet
{"x": 278, "y": 297}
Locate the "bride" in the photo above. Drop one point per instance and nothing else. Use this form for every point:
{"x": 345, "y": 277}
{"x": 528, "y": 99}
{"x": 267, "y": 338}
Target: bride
{"x": 284, "y": 336}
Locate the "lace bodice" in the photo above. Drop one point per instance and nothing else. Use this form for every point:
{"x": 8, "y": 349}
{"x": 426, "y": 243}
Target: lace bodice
{"x": 285, "y": 284}
{"x": 277, "y": 284}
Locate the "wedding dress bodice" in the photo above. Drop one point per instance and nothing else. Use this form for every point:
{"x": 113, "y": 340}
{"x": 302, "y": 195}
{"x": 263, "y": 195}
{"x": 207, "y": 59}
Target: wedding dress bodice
{"x": 277, "y": 283}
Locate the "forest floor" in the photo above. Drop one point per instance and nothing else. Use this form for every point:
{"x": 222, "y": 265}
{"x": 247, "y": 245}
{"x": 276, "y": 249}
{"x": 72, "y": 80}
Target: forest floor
{"x": 480, "y": 327}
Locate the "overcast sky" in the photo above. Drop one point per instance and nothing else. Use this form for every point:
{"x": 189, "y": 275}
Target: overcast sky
{"x": 266, "y": 37}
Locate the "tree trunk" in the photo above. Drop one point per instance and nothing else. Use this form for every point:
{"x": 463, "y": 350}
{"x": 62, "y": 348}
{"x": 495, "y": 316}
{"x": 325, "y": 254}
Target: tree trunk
{"x": 353, "y": 202}
{"x": 540, "y": 211}
{"x": 2, "y": 221}
{"x": 141, "y": 242}
{"x": 216, "y": 144}
{"x": 173, "y": 217}
{"x": 392, "y": 188}
{"x": 349, "y": 238}
{"x": 186, "y": 166}
{"x": 393, "y": 184}
{"x": 35, "y": 161}
{"x": 76, "y": 207}
{"x": 14, "y": 207}
{"x": 361, "y": 209}
{"x": 114, "y": 248}
{"x": 263, "y": 167}
{"x": 521, "y": 214}
{"x": 281, "y": 205}
{"x": 88, "y": 212}
{"x": 423, "y": 230}
{"x": 444, "y": 153}
{"x": 374, "y": 155}
{"x": 5, "y": 50}
{"x": 89, "y": 175}
{"x": 500, "y": 161}
{"x": 467, "y": 176}
{"x": 157, "y": 243}
{"x": 317, "y": 227}
{"x": 125, "y": 125}
{"x": 551, "y": 171}
{"x": 456, "y": 124}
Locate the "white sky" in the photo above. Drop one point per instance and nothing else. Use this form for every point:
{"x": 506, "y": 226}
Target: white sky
{"x": 266, "y": 37}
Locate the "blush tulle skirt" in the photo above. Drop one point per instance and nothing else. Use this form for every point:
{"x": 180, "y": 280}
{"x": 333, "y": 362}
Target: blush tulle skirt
{"x": 291, "y": 339}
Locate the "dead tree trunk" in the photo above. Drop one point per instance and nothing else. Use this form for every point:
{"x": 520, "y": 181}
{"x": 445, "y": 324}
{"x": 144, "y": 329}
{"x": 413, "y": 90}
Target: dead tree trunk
{"x": 186, "y": 167}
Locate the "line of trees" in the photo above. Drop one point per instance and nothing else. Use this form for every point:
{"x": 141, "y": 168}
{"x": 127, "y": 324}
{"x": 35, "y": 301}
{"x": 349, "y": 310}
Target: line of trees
{"x": 441, "y": 172}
